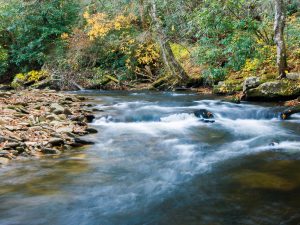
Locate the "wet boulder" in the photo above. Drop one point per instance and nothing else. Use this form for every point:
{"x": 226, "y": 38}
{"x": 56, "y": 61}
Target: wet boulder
{"x": 89, "y": 117}
{"x": 81, "y": 142}
{"x": 91, "y": 130}
{"x": 262, "y": 180}
{"x": 56, "y": 141}
{"x": 50, "y": 151}
{"x": 286, "y": 114}
{"x": 205, "y": 115}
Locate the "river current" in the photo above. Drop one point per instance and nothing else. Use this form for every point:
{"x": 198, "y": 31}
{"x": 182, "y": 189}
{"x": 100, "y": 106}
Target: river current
{"x": 154, "y": 162}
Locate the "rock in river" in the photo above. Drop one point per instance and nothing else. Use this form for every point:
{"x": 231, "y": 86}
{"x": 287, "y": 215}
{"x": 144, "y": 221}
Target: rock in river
{"x": 204, "y": 115}
{"x": 50, "y": 151}
{"x": 91, "y": 130}
{"x": 4, "y": 161}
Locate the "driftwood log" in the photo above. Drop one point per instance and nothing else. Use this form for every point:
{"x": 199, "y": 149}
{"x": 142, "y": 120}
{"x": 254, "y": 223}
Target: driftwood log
{"x": 290, "y": 111}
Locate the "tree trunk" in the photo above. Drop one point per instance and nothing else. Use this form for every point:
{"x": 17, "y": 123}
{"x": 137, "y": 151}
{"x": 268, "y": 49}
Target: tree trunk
{"x": 142, "y": 13}
{"x": 279, "y": 37}
{"x": 170, "y": 62}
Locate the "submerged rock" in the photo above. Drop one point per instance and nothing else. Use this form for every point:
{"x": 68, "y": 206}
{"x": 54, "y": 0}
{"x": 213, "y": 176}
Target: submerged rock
{"x": 262, "y": 180}
{"x": 50, "y": 151}
{"x": 4, "y": 161}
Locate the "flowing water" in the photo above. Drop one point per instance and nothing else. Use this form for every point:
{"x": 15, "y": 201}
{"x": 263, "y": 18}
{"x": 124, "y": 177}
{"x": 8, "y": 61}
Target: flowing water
{"x": 154, "y": 162}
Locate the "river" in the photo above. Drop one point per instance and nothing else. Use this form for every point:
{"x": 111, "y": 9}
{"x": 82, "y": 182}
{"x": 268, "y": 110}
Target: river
{"x": 154, "y": 162}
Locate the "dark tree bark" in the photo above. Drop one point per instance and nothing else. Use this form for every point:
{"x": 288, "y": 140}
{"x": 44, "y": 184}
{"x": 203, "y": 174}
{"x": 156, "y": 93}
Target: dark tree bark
{"x": 279, "y": 26}
{"x": 170, "y": 62}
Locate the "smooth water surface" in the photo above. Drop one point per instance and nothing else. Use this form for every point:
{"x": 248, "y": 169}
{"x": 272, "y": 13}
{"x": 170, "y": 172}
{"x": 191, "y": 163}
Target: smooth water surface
{"x": 154, "y": 162}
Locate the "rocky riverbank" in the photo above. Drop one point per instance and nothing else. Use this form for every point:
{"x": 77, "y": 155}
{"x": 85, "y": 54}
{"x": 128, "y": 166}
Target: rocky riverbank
{"x": 261, "y": 88}
{"x": 38, "y": 122}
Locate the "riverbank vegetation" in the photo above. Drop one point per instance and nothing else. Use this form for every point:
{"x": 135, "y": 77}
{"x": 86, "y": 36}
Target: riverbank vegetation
{"x": 150, "y": 43}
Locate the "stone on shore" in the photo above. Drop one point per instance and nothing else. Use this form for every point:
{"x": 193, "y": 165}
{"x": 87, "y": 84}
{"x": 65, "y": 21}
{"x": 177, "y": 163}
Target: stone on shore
{"x": 41, "y": 121}
{"x": 91, "y": 130}
{"x": 56, "y": 141}
{"x": 56, "y": 108}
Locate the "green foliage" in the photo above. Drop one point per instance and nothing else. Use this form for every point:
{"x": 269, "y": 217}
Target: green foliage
{"x": 39, "y": 25}
{"x": 91, "y": 40}
{"x": 3, "y": 60}
{"x": 227, "y": 37}
{"x": 30, "y": 29}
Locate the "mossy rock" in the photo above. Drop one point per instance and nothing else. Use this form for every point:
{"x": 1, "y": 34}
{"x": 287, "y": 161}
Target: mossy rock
{"x": 18, "y": 80}
{"x": 274, "y": 90}
{"x": 23, "y": 80}
{"x": 262, "y": 180}
{"x": 227, "y": 88}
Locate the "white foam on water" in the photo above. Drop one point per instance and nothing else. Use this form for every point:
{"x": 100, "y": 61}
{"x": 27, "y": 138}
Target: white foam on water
{"x": 123, "y": 105}
{"x": 180, "y": 117}
{"x": 138, "y": 94}
{"x": 226, "y": 152}
{"x": 157, "y": 108}
{"x": 250, "y": 126}
{"x": 181, "y": 94}
{"x": 285, "y": 146}
{"x": 296, "y": 116}
{"x": 173, "y": 123}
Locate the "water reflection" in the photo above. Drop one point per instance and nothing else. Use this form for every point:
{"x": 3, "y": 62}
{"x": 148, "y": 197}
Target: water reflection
{"x": 43, "y": 177}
